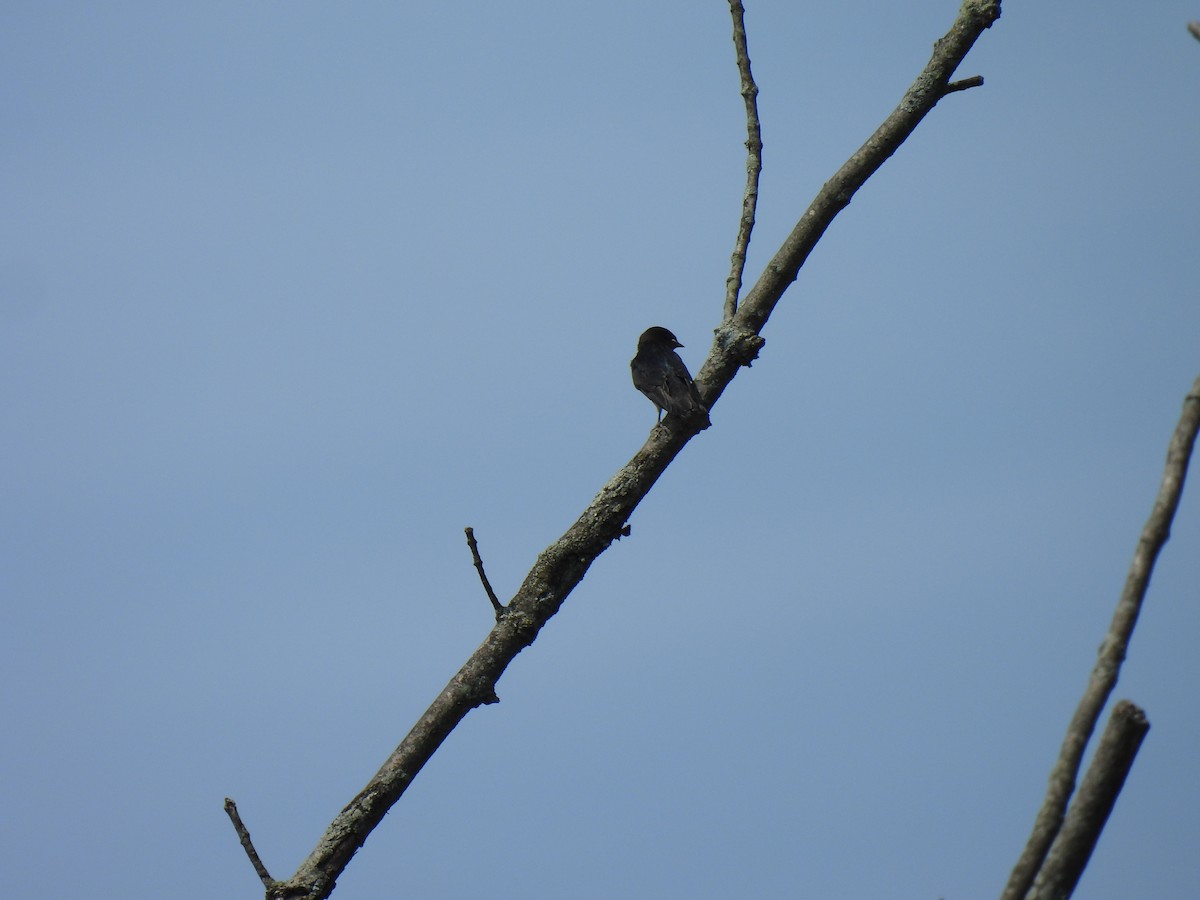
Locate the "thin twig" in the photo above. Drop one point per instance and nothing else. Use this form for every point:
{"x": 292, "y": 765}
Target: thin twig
{"x": 487, "y": 586}
{"x": 754, "y": 146}
{"x": 248, "y": 845}
{"x": 1112, "y": 652}
{"x": 1194, "y": 28}
{"x": 1093, "y": 803}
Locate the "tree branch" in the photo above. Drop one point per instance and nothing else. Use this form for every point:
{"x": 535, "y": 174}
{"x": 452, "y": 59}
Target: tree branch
{"x": 754, "y": 146}
{"x": 974, "y": 16}
{"x": 562, "y": 565}
{"x": 243, "y": 834}
{"x": 487, "y": 585}
{"x": 1112, "y": 652}
{"x": 1089, "y": 812}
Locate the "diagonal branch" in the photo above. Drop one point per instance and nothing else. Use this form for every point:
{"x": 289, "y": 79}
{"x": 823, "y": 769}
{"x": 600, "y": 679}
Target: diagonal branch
{"x": 1112, "y": 652}
{"x": 754, "y": 147}
{"x": 243, "y": 834}
{"x": 1072, "y": 848}
{"x": 562, "y": 565}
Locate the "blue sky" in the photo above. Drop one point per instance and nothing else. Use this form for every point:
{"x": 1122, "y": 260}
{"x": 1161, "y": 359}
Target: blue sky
{"x": 290, "y": 293}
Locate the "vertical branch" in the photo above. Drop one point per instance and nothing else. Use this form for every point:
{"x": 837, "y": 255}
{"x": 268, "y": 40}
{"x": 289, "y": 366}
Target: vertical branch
{"x": 1112, "y": 652}
{"x": 497, "y": 606}
{"x": 733, "y": 284}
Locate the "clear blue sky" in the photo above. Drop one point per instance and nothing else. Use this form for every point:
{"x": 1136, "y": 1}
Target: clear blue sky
{"x": 291, "y": 292}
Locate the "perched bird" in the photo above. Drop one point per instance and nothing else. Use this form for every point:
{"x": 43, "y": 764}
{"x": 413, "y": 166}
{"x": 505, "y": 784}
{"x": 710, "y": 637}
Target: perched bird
{"x": 660, "y": 374}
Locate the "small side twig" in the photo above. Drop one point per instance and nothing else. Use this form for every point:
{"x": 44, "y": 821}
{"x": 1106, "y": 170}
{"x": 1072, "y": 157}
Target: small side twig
{"x": 1093, "y": 803}
{"x": 1112, "y": 653}
{"x": 963, "y": 84}
{"x": 754, "y": 146}
{"x": 244, "y": 836}
{"x": 487, "y": 586}
{"x": 1194, "y": 28}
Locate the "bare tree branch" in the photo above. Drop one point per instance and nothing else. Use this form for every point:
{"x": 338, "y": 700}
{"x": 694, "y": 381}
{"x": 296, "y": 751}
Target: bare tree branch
{"x": 974, "y": 16}
{"x": 1094, "y": 801}
{"x": 487, "y": 585}
{"x": 562, "y": 565}
{"x": 243, "y": 834}
{"x": 1112, "y": 652}
{"x": 754, "y": 147}
{"x": 1194, "y": 28}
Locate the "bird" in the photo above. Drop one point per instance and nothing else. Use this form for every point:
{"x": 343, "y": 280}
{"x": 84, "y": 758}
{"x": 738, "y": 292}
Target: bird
{"x": 660, "y": 374}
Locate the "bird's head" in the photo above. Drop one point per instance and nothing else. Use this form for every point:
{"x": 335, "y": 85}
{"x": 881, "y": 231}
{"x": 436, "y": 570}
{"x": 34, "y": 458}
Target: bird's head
{"x": 658, "y": 336}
